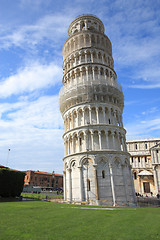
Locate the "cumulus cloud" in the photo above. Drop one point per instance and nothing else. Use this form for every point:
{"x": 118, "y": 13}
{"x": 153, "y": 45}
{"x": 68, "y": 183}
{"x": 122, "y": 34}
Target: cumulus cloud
{"x": 145, "y": 86}
{"x": 33, "y": 130}
{"x": 32, "y": 77}
{"x": 49, "y": 27}
{"x": 143, "y": 128}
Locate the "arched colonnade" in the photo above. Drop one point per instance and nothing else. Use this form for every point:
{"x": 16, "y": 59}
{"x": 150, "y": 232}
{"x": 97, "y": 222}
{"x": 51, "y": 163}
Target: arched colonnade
{"x": 94, "y": 140}
{"x": 91, "y": 175}
{"x": 89, "y": 115}
{"x": 90, "y": 74}
{"x": 87, "y": 24}
{"x": 87, "y": 40}
{"x": 87, "y": 56}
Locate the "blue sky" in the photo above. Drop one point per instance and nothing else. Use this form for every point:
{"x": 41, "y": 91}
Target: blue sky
{"x": 32, "y": 33}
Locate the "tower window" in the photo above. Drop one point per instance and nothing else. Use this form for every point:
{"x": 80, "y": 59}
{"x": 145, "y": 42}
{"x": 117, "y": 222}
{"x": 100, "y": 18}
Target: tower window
{"x": 138, "y": 159}
{"x": 146, "y": 146}
{"x": 103, "y": 174}
{"x": 109, "y": 121}
{"x": 156, "y": 151}
{"x": 145, "y": 159}
{"x": 83, "y": 26}
{"x": 132, "y": 159}
{"x": 88, "y": 185}
{"x": 135, "y": 175}
{"x": 135, "y": 146}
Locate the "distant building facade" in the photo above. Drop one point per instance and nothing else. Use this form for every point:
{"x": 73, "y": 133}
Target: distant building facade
{"x": 43, "y": 179}
{"x": 145, "y": 162}
{"x": 1, "y": 166}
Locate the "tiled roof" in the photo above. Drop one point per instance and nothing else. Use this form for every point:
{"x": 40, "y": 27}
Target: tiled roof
{"x": 1, "y": 166}
{"x": 44, "y": 173}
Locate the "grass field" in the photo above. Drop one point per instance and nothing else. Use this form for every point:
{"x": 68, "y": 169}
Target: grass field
{"x": 44, "y": 220}
{"x": 41, "y": 196}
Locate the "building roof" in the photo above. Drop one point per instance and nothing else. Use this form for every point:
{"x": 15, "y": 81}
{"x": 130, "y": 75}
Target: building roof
{"x": 1, "y": 166}
{"x": 44, "y": 173}
{"x": 143, "y": 140}
{"x": 155, "y": 146}
{"x": 145, "y": 173}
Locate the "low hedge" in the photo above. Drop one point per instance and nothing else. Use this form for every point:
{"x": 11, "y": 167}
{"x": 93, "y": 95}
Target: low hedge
{"x": 11, "y": 182}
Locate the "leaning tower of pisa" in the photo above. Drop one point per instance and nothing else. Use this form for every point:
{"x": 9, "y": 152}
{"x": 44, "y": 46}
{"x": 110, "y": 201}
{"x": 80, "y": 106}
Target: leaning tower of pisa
{"x": 96, "y": 161}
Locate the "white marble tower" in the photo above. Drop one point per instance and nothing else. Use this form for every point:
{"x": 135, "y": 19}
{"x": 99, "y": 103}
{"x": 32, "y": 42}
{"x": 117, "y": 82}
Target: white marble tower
{"x": 96, "y": 162}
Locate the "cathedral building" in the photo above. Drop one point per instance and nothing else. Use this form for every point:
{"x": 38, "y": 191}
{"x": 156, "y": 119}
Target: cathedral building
{"x": 145, "y": 162}
{"x": 97, "y": 166}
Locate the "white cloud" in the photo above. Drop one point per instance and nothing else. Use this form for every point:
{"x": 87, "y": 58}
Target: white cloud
{"x": 145, "y": 86}
{"x": 50, "y": 27}
{"x": 147, "y": 128}
{"x": 33, "y": 131}
{"x": 30, "y": 78}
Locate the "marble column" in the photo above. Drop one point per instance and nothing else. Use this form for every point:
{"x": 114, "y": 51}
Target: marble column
{"x": 92, "y": 142}
{"x": 97, "y": 116}
{"x": 132, "y": 184}
{"x": 83, "y": 117}
{"x": 112, "y": 185}
{"x": 80, "y": 184}
{"x": 90, "y": 115}
{"x": 93, "y": 74}
{"x": 79, "y": 146}
{"x": 104, "y": 119}
{"x": 155, "y": 179}
{"x": 85, "y": 57}
{"x": 107, "y": 143}
{"x": 125, "y": 183}
{"x": 100, "y": 140}
{"x": 92, "y": 57}
{"x": 73, "y": 144}
{"x": 113, "y": 141}
{"x": 64, "y": 184}
{"x": 69, "y": 184}
{"x": 96, "y": 182}
{"x": 69, "y": 147}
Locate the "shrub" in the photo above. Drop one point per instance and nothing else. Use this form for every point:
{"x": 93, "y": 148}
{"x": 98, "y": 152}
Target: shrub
{"x": 11, "y": 182}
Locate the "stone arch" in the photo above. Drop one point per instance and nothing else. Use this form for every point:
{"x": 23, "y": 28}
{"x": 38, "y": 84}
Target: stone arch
{"x": 82, "y": 57}
{"x": 100, "y": 114}
{"x": 81, "y": 40}
{"x": 93, "y": 40}
{"x": 71, "y": 163}
{"x": 96, "y": 140}
{"x": 86, "y": 115}
{"x": 94, "y": 56}
{"x": 87, "y": 37}
{"x": 100, "y": 57}
{"x": 101, "y": 159}
{"x": 103, "y": 139}
{"x": 94, "y": 116}
{"x": 88, "y": 56}
{"x": 98, "y": 40}
{"x": 81, "y": 141}
{"x": 80, "y": 116}
{"x": 76, "y": 41}
{"x": 75, "y": 118}
{"x": 102, "y": 41}
{"x": 84, "y": 159}
{"x": 82, "y": 25}
{"x": 75, "y": 142}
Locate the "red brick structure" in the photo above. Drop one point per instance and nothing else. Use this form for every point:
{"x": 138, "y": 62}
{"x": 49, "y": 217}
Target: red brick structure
{"x": 43, "y": 179}
{"x": 1, "y": 166}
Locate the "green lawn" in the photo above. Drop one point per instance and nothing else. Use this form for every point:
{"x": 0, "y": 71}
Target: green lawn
{"x": 41, "y": 196}
{"x": 45, "y": 220}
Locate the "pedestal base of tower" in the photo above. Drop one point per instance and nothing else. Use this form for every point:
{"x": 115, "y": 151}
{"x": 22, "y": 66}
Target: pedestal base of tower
{"x": 99, "y": 178}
